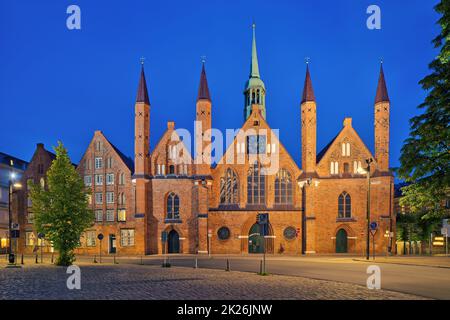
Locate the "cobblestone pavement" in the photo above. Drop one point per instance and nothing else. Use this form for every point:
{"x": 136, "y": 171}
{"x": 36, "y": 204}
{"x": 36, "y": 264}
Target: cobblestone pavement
{"x": 153, "y": 282}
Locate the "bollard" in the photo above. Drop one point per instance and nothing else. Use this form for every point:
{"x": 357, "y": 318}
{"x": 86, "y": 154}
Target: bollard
{"x": 36, "y": 259}
{"x": 21, "y": 259}
{"x": 142, "y": 261}
{"x": 196, "y": 264}
{"x": 52, "y": 257}
{"x": 260, "y": 267}
{"x": 95, "y": 259}
{"x": 228, "y": 266}
{"x": 115, "y": 262}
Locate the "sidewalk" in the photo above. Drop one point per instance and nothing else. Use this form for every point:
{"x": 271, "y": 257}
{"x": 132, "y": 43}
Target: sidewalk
{"x": 436, "y": 262}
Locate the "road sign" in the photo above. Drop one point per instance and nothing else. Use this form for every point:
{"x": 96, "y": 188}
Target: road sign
{"x": 262, "y": 218}
{"x": 373, "y": 225}
{"x": 100, "y": 236}
{"x": 15, "y": 234}
{"x": 164, "y": 236}
{"x": 444, "y": 232}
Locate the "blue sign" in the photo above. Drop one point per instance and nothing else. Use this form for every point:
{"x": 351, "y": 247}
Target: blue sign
{"x": 373, "y": 225}
{"x": 164, "y": 236}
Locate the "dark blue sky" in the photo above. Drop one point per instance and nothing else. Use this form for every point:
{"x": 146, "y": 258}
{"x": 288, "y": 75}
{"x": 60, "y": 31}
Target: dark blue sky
{"x": 61, "y": 84}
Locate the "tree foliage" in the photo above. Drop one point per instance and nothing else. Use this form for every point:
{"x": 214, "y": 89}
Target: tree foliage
{"x": 425, "y": 159}
{"x": 61, "y": 208}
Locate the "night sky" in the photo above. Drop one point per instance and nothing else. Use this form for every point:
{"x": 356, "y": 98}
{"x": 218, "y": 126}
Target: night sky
{"x": 60, "y": 84}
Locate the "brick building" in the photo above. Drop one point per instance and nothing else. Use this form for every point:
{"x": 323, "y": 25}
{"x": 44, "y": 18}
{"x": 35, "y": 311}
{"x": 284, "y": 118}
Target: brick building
{"x": 318, "y": 207}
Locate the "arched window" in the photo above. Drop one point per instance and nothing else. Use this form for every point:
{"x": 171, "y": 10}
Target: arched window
{"x": 173, "y": 206}
{"x": 171, "y": 169}
{"x": 344, "y": 205}
{"x": 283, "y": 187}
{"x": 229, "y": 188}
{"x": 256, "y": 185}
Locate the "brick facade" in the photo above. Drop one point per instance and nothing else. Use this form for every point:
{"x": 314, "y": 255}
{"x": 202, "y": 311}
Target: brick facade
{"x": 318, "y": 208}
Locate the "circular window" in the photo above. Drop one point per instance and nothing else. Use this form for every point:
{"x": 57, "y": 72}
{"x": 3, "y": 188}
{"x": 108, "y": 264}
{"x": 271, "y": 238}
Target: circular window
{"x": 289, "y": 233}
{"x": 223, "y": 233}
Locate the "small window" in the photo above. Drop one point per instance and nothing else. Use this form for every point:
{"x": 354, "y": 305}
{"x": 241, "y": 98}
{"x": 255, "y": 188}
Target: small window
{"x": 98, "y": 163}
{"x": 346, "y": 168}
{"x": 223, "y": 233}
{"x": 99, "y": 198}
{"x": 344, "y": 206}
{"x": 88, "y": 181}
{"x": 110, "y": 197}
{"x": 110, "y": 179}
{"x": 290, "y": 233}
{"x": 121, "y": 215}
{"x": 127, "y": 237}
{"x": 30, "y": 239}
{"x": 171, "y": 169}
{"x": 110, "y": 215}
{"x": 173, "y": 206}
{"x": 98, "y": 179}
{"x": 90, "y": 238}
{"x": 99, "y": 215}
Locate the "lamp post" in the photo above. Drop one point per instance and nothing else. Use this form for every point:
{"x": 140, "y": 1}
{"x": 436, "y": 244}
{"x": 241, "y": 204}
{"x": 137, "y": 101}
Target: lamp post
{"x": 368, "y": 161}
{"x": 12, "y": 185}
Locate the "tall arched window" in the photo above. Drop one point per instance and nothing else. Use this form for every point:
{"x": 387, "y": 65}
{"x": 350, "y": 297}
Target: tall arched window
{"x": 344, "y": 205}
{"x": 173, "y": 206}
{"x": 256, "y": 185}
{"x": 229, "y": 188}
{"x": 283, "y": 187}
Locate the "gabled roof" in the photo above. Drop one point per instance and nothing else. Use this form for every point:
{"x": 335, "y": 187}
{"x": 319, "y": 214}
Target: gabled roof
{"x": 325, "y": 151}
{"x": 127, "y": 160}
{"x": 17, "y": 163}
{"x": 163, "y": 139}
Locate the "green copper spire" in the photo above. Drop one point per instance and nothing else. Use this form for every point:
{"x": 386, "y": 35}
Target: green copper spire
{"x": 255, "y": 91}
{"x": 254, "y": 69}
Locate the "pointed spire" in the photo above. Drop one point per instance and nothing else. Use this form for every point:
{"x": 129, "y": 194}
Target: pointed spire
{"x": 382, "y": 94}
{"x": 203, "y": 90}
{"x": 254, "y": 68}
{"x": 142, "y": 94}
{"x": 308, "y": 92}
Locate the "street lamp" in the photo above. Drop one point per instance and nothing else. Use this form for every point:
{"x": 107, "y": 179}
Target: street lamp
{"x": 367, "y": 172}
{"x": 12, "y": 185}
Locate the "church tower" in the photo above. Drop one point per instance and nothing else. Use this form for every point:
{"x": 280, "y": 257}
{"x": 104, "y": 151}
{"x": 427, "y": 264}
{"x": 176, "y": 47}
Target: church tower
{"x": 382, "y": 106}
{"x": 142, "y": 146}
{"x": 203, "y": 134}
{"x": 309, "y": 123}
{"x": 255, "y": 91}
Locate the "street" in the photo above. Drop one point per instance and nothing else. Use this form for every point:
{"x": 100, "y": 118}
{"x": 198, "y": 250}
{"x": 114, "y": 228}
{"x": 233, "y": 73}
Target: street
{"x": 426, "y": 281}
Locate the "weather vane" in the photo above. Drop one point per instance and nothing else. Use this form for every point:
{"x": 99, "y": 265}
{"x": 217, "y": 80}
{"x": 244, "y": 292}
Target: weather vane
{"x": 203, "y": 59}
{"x": 307, "y": 60}
{"x": 142, "y": 60}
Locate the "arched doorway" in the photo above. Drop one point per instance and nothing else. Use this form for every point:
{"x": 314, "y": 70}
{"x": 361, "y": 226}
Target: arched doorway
{"x": 173, "y": 242}
{"x": 341, "y": 241}
{"x": 256, "y": 241}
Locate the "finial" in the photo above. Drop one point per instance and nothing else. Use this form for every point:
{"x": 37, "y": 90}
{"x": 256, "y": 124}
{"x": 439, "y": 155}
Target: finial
{"x": 142, "y": 60}
{"x": 203, "y": 59}
{"x": 381, "y": 60}
{"x": 307, "y": 60}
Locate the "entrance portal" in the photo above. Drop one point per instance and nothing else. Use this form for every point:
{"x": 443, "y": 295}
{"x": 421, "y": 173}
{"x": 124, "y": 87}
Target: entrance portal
{"x": 112, "y": 243}
{"x": 341, "y": 241}
{"x": 256, "y": 240}
{"x": 173, "y": 242}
